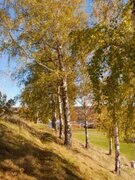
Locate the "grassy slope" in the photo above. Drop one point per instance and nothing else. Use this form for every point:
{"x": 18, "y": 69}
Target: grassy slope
{"x": 99, "y": 139}
{"x": 35, "y": 153}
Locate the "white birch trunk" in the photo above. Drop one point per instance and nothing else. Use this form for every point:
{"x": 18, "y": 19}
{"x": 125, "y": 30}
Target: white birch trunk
{"x": 117, "y": 149}
{"x": 65, "y": 100}
{"x": 66, "y": 113}
{"x": 37, "y": 117}
{"x": 61, "y": 133}
{"x": 86, "y": 136}
{"x": 110, "y": 146}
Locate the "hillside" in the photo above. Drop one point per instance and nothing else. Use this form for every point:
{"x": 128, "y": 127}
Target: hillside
{"x": 32, "y": 152}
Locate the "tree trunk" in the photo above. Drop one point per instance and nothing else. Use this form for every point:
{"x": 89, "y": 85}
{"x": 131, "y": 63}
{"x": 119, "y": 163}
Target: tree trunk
{"x": 61, "y": 133}
{"x": 38, "y": 121}
{"x": 53, "y": 114}
{"x": 86, "y": 136}
{"x": 54, "y": 121}
{"x": 37, "y": 117}
{"x": 110, "y": 146}
{"x": 117, "y": 149}
{"x": 65, "y": 100}
{"x": 66, "y": 113}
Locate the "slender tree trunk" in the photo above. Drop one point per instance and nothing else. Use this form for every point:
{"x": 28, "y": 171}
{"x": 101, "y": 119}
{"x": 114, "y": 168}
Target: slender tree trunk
{"x": 54, "y": 121}
{"x": 61, "y": 133}
{"x": 38, "y": 122}
{"x": 37, "y": 118}
{"x": 86, "y": 136}
{"x": 53, "y": 114}
{"x": 117, "y": 149}
{"x": 66, "y": 113}
{"x": 110, "y": 146}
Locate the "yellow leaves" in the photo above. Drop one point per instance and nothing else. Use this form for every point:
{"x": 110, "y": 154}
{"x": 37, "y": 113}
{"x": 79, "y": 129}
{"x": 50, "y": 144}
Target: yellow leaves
{"x": 105, "y": 11}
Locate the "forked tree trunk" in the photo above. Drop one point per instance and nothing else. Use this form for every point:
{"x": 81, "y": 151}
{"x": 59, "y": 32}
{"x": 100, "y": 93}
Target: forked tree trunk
{"x": 110, "y": 146}
{"x": 66, "y": 113}
{"x": 117, "y": 149}
{"x": 61, "y": 130}
{"x": 86, "y": 136}
{"x": 53, "y": 114}
{"x": 65, "y": 100}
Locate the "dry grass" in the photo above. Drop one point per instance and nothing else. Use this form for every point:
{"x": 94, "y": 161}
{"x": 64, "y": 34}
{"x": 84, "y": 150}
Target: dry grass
{"x": 34, "y": 152}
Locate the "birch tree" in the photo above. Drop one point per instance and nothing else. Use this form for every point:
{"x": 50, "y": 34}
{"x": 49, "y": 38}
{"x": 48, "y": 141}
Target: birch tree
{"x": 110, "y": 74}
{"x": 108, "y": 46}
{"x": 85, "y": 101}
{"x": 38, "y": 31}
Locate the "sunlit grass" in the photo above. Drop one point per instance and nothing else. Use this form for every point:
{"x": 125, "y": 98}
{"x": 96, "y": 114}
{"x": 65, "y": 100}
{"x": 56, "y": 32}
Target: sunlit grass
{"x": 33, "y": 151}
{"x": 100, "y": 140}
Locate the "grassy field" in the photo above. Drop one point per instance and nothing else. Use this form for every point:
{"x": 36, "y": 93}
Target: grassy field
{"x": 99, "y": 139}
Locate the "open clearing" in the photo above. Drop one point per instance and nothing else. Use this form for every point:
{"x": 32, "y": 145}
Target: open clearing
{"x": 99, "y": 139}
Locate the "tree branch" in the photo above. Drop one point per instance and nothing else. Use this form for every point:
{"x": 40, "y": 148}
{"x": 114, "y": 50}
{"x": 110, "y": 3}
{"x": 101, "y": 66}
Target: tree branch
{"x": 29, "y": 56}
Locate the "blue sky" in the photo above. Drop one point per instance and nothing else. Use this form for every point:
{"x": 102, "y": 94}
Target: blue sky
{"x": 7, "y": 84}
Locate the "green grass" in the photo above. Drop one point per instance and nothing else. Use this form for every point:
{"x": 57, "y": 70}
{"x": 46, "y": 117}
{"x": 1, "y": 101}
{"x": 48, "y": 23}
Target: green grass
{"x": 99, "y": 139}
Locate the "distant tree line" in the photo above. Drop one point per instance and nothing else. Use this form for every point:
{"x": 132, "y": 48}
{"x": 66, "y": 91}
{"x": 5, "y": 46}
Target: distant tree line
{"x": 5, "y": 105}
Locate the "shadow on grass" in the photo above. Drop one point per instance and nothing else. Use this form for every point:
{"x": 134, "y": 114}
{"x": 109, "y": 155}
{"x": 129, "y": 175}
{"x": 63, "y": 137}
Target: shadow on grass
{"x": 47, "y": 137}
{"x": 33, "y": 161}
